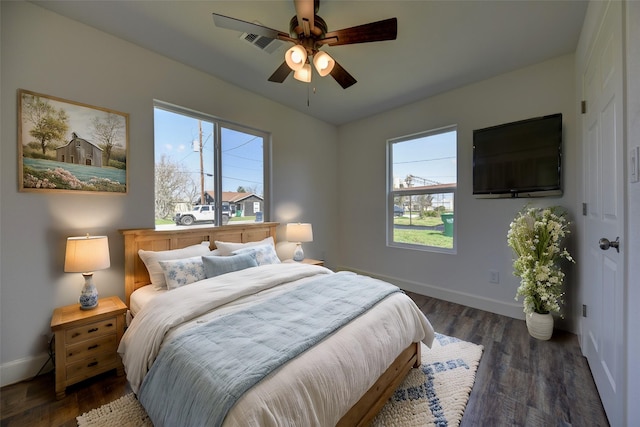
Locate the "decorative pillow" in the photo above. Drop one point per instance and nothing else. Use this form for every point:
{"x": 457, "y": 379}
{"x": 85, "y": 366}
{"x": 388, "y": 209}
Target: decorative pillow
{"x": 180, "y": 272}
{"x": 227, "y": 248}
{"x": 265, "y": 254}
{"x": 217, "y": 265}
{"x": 151, "y": 258}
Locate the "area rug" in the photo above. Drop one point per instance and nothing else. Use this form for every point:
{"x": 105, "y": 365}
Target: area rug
{"x": 435, "y": 394}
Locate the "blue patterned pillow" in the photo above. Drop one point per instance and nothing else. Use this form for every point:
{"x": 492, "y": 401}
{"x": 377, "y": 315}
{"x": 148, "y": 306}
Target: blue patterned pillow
{"x": 180, "y": 272}
{"x": 217, "y": 265}
{"x": 265, "y": 254}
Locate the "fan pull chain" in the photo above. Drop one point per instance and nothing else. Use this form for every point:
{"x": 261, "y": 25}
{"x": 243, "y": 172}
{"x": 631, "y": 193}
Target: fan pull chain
{"x": 314, "y": 92}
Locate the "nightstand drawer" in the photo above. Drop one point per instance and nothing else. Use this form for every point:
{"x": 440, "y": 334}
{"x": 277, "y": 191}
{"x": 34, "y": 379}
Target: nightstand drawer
{"x": 91, "y": 330}
{"x": 92, "y": 366}
{"x": 93, "y": 347}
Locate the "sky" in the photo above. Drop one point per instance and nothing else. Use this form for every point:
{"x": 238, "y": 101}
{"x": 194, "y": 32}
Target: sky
{"x": 432, "y": 157}
{"x": 242, "y": 153}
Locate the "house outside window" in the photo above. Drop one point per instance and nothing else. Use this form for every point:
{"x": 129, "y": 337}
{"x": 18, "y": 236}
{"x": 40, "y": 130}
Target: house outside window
{"x": 197, "y": 157}
{"x": 422, "y": 183}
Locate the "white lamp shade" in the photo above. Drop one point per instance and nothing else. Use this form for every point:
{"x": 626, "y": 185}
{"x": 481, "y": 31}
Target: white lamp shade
{"x": 87, "y": 253}
{"x": 303, "y": 74}
{"x": 299, "y": 232}
{"x": 296, "y": 57}
{"x": 324, "y": 63}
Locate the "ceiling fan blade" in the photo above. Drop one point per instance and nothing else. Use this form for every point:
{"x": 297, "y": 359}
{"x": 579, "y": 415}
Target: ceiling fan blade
{"x": 386, "y": 29}
{"x": 341, "y": 75}
{"x": 305, "y": 11}
{"x": 249, "y": 27}
{"x": 281, "y": 73}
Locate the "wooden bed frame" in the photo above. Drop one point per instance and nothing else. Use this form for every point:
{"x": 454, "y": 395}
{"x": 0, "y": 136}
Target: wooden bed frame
{"x": 136, "y": 276}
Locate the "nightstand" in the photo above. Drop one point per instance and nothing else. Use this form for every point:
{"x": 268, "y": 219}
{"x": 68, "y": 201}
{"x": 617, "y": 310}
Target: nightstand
{"x": 86, "y": 341}
{"x": 312, "y": 261}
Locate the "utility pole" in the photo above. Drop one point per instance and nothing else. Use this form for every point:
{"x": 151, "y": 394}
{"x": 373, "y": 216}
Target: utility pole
{"x": 202, "y": 200}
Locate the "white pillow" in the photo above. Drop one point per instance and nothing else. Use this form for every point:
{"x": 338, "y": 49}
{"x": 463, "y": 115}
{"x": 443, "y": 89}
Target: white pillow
{"x": 227, "y": 248}
{"x": 151, "y": 258}
{"x": 265, "y": 254}
{"x": 180, "y": 272}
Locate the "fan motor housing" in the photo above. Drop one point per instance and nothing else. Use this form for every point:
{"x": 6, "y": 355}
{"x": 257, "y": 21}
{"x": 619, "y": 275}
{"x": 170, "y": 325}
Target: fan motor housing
{"x": 318, "y": 31}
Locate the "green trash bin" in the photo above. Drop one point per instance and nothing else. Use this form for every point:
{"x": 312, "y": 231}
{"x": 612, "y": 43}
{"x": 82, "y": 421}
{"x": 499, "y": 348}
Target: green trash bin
{"x": 447, "y": 219}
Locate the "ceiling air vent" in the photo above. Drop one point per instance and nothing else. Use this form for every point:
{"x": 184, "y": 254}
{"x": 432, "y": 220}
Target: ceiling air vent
{"x": 263, "y": 43}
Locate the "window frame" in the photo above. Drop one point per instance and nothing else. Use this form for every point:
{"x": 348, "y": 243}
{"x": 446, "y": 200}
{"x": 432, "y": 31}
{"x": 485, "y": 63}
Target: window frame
{"x": 436, "y": 189}
{"x": 218, "y": 125}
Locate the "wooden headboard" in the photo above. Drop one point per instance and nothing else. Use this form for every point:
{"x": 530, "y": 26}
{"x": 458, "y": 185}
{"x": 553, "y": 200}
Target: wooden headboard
{"x": 148, "y": 239}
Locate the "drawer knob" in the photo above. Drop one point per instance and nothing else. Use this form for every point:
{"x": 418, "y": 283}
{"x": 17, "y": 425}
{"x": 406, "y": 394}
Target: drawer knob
{"x": 109, "y": 325}
{"x": 92, "y": 347}
{"x": 92, "y": 330}
{"x": 92, "y": 364}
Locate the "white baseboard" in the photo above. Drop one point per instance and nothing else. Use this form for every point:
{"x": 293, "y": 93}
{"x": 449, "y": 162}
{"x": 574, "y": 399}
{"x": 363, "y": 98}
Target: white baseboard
{"x": 508, "y": 309}
{"x": 23, "y": 369}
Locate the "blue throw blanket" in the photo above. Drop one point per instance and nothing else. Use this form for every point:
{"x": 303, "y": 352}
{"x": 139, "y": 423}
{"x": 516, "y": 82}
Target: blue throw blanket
{"x": 198, "y": 377}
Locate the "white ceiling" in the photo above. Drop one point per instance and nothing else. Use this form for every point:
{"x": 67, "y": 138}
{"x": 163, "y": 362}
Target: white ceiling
{"x": 441, "y": 45}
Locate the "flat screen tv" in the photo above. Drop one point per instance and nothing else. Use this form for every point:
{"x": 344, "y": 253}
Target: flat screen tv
{"x": 519, "y": 159}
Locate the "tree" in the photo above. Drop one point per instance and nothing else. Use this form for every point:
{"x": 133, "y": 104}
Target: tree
{"x": 49, "y": 123}
{"x": 423, "y": 201}
{"x": 108, "y": 133}
{"x": 173, "y": 185}
{"x": 241, "y": 189}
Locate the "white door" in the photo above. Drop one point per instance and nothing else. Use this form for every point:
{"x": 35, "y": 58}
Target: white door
{"x": 602, "y": 271}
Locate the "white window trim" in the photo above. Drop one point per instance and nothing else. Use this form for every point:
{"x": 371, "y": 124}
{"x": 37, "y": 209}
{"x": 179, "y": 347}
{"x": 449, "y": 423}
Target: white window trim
{"x": 417, "y": 191}
{"x": 218, "y": 125}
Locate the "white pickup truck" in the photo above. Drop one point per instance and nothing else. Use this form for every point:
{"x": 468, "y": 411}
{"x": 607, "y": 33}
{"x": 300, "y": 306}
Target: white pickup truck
{"x": 201, "y": 213}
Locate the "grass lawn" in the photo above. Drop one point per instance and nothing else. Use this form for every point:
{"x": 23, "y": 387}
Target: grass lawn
{"x": 424, "y": 237}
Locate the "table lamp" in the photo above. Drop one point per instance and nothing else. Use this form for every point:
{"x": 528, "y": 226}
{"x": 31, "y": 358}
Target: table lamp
{"x": 299, "y": 233}
{"x": 85, "y": 255}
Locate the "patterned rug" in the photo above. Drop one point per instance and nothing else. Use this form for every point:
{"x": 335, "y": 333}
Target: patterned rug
{"x": 435, "y": 394}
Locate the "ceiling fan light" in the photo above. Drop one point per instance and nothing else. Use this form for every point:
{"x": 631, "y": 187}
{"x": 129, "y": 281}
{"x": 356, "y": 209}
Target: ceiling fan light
{"x": 296, "y": 57}
{"x": 303, "y": 74}
{"x": 324, "y": 63}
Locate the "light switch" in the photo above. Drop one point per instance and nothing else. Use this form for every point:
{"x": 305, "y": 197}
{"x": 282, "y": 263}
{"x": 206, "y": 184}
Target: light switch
{"x": 634, "y": 164}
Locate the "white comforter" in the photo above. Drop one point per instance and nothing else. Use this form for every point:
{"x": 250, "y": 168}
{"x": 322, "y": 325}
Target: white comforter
{"x": 314, "y": 389}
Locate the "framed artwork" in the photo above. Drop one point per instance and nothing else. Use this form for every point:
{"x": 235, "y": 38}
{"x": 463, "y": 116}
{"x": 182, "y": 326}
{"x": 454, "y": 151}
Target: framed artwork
{"x": 66, "y": 146}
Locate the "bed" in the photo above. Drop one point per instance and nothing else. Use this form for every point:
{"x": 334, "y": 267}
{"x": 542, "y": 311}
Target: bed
{"x": 343, "y": 378}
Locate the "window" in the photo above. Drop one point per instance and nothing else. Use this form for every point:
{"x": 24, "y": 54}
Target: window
{"x": 421, "y": 190}
{"x": 197, "y": 158}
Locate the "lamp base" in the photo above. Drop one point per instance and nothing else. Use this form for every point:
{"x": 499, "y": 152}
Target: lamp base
{"x": 89, "y": 296}
{"x": 298, "y": 254}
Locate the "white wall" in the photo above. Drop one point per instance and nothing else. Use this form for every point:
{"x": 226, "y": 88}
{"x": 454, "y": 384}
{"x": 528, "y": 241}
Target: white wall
{"x": 49, "y": 54}
{"x": 481, "y": 224}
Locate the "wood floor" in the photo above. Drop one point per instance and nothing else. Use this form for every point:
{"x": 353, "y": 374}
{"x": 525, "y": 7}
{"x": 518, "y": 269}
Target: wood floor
{"x": 520, "y": 381}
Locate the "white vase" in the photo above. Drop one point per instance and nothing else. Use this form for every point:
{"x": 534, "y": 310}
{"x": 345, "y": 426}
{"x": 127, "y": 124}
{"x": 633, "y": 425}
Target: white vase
{"x": 540, "y": 326}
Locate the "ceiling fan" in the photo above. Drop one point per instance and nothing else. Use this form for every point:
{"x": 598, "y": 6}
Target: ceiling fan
{"x": 309, "y": 34}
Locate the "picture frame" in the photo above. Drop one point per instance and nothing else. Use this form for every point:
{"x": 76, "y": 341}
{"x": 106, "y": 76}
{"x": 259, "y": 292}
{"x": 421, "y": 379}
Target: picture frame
{"x": 69, "y": 147}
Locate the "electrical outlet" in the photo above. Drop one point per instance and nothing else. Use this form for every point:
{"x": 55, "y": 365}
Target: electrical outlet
{"x": 634, "y": 164}
{"x": 494, "y": 276}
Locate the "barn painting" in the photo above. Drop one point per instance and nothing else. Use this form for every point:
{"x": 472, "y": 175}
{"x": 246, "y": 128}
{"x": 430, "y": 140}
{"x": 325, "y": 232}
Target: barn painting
{"x": 67, "y": 146}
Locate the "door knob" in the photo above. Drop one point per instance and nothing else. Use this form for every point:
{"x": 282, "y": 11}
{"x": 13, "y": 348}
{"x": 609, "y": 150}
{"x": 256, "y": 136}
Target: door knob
{"x": 606, "y": 244}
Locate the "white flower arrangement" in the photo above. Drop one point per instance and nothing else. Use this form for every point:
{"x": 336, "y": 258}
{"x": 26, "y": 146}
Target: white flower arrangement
{"x": 535, "y": 235}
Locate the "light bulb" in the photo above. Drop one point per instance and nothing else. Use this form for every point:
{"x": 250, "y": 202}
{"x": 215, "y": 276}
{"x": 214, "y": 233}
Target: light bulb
{"x": 303, "y": 74}
{"x": 323, "y": 62}
{"x": 296, "y": 57}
